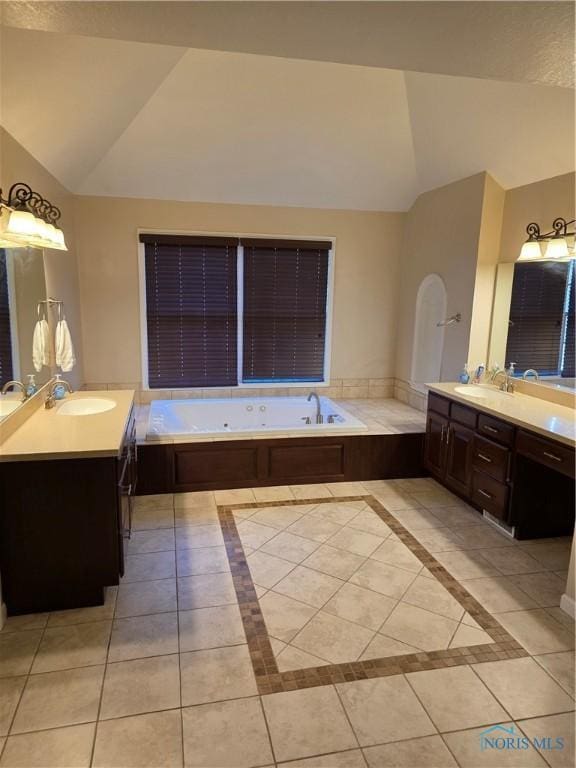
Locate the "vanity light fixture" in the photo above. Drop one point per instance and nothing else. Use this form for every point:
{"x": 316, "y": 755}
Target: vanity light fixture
{"x": 551, "y": 245}
{"x": 31, "y": 221}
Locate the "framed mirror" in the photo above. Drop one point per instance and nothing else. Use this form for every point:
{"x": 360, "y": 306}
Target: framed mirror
{"x": 22, "y": 288}
{"x": 533, "y": 320}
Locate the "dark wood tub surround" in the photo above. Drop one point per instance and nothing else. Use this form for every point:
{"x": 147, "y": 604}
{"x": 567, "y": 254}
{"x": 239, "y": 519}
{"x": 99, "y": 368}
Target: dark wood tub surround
{"x": 207, "y": 466}
{"x": 521, "y": 478}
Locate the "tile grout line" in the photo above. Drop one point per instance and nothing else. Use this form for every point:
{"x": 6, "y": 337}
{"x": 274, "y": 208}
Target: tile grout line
{"x": 182, "y": 740}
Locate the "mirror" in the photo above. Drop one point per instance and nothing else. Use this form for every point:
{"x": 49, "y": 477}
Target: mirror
{"x": 533, "y": 320}
{"x": 22, "y": 287}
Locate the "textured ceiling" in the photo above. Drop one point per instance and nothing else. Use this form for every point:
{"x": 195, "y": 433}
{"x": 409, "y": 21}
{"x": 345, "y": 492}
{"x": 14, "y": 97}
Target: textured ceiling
{"x": 139, "y": 119}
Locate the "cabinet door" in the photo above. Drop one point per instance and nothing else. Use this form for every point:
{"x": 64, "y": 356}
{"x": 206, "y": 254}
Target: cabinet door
{"x": 435, "y": 445}
{"x": 459, "y": 458}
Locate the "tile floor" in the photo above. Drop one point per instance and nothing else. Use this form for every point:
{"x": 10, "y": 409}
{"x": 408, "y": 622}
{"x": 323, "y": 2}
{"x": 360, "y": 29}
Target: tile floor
{"x": 161, "y": 675}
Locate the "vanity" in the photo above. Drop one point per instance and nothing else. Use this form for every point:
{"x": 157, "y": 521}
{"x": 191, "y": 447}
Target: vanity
{"x": 67, "y": 476}
{"x": 509, "y": 455}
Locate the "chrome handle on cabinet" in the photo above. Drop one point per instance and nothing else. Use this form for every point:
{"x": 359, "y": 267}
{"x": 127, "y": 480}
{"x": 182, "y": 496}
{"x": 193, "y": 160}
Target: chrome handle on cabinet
{"x": 126, "y": 490}
{"x": 442, "y": 433}
{"x": 484, "y": 458}
{"x": 447, "y": 435}
{"x": 491, "y": 429}
{"x": 484, "y": 493}
{"x": 552, "y": 456}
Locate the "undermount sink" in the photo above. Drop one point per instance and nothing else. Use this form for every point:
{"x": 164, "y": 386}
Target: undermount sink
{"x": 7, "y": 406}
{"x": 85, "y": 406}
{"x": 478, "y": 391}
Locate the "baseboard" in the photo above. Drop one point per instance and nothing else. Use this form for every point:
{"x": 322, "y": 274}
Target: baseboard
{"x": 568, "y": 605}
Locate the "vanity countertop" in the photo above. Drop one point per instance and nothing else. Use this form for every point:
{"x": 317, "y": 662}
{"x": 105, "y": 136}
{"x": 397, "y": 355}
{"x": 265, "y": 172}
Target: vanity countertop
{"x": 540, "y": 416}
{"x": 46, "y": 434}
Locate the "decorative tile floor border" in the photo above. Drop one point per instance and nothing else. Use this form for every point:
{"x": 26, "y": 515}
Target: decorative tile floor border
{"x": 270, "y": 680}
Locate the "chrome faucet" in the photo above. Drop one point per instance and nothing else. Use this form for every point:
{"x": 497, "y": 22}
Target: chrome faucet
{"x": 13, "y": 384}
{"x": 531, "y": 372}
{"x": 319, "y": 417}
{"x": 51, "y": 399}
{"x": 508, "y": 382}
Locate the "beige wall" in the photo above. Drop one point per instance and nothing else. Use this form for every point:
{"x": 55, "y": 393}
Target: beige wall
{"x": 366, "y": 271}
{"x": 60, "y": 266}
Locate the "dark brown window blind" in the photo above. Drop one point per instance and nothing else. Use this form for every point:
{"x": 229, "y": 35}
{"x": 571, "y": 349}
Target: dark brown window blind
{"x": 6, "y": 368}
{"x": 285, "y": 292}
{"x": 191, "y": 308}
{"x": 568, "y": 367}
{"x": 536, "y": 316}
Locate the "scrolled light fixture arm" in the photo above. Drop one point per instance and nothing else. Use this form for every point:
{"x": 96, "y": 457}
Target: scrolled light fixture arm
{"x": 555, "y": 243}
{"x": 32, "y": 220}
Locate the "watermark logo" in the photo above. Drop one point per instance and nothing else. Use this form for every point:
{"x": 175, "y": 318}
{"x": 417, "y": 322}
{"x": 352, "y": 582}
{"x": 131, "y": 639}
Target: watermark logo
{"x": 502, "y": 737}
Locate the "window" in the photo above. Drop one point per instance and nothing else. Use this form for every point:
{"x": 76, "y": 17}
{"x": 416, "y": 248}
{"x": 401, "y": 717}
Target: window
{"x": 541, "y": 331}
{"x": 6, "y": 366}
{"x": 223, "y": 312}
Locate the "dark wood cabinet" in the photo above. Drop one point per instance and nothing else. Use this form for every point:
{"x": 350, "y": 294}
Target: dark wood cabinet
{"x": 459, "y": 443}
{"x": 435, "y": 444}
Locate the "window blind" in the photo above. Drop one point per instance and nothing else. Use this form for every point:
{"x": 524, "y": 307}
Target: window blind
{"x": 568, "y": 367}
{"x": 536, "y": 314}
{"x": 191, "y": 311}
{"x": 6, "y": 368}
{"x": 285, "y": 294}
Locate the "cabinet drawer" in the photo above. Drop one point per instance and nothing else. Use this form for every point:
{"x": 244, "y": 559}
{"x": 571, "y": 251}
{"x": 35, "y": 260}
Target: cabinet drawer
{"x": 438, "y": 404}
{"x": 497, "y": 430}
{"x": 463, "y": 415}
{"x": 554, "y": 455}
{"x": 489, "y": 494}
{"x": 491, "y": 458}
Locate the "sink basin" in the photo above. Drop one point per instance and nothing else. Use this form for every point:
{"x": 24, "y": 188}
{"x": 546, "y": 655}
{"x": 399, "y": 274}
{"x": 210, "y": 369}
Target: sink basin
{"x": 479, "y": 392}
{"x": 7, "y": 406}
{"x": 85, "y": 406}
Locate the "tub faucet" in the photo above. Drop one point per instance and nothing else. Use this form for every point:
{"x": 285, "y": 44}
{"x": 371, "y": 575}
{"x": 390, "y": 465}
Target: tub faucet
{"x": 319, "y": 417}
{"x": 14, "y": 384}
{"x": 531, "y": 372}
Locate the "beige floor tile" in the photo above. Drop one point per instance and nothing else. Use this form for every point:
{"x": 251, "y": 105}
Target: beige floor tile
{"x": 205, "y": 590}
{"x": 545, "y": 589}
{"x": 420, "y": 628}
{"x": 466, "y": 635}
{"x": 436, "y": 498}
{"x": 397, "y": 502}
{"x": 59, "y": 698}
{"x": 338, "y": 513}
{"x": 554, "y": 727}
{"x": 148, "y": 519}
{"x": 154, "y": 501}
{"x": 85, "y": 615}
{"x": 498, "y": 594}
{"x": 195, "y": 536}
{"x": 307, "y": 722}
{"x": 156, "y": 565}
{"x": 314, "y": 528}
{"x": 381, "y": 647}
{"x": 334, "y": 562}
{"x": 426, "y": 752}
{"x": 333, "y": 639}
{"x": 563, "y": 618}
{"x": 537, "y": 631}
{"x": 417, "y": 519}
{"x": 308, "y": 586}
{"x": 217, "y": 674}
{"x": 79, "y": 645}
{"x": 384, "y": 709}
{"x": 210, "y": 628}
{"x": 141, "y": 597}
{"x": 24, "y": 622}
{"x": 312, "y": 491}
{"x": 255, "y": 535}
{"x": 184, "y": 516}
{"x": 59, "y": 748}
{"x": 268, "y": 570}
{"x": 458, "y": 516}
{"x": 355, "y": 541}
{"x": 142, "y": 636}
{"x": 260, "y": 591}
{"x": 466, "y": 748}
{"x": 10, "y": 691}
{"x": 455, "y": 698}
{"x": 561, "y": 667}
{"x": 273, "y": 493}
{"x": 439, "y": 539}
{"x": 206, "y": 560}
{"x": 17, "y": 651}
{"x": 229, "y": 734}
{"x": 432, "y": 596}
{"x": 361, "y": 606}
{"x": 369, "y": 522}
{"x": 511, "y": 560}
{"x": 235, "y": 496}
{"x": 524, "y": 688}
{"x": 383, "y": 578}
{"x": 346, "y": 489}
{"x": 396, "y": 553}
{"x": 290, "y": 547}
{"x": 483, "y": 537}
{"x": 293, "y": 658}
{"x": 352, "y": 758}
{"x": 277, "y": 645}
{"x": 142, "y": 685}
{"x": 143, "y": 741}
{"x": 467, "y": 564}
{"x": 554, "y": 555}
{"x": 198, "y": 499}
{"x": 278, "y": 517}
{"x": 284, "y": 616}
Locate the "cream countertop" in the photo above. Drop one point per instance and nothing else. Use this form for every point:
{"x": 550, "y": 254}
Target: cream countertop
{"x": 46, "y": 435}
{"x": 540, "y": 416}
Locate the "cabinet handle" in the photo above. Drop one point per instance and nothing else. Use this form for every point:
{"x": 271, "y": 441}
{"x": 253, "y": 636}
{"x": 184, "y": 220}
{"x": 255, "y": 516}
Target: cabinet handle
{"x": 442, "y": 433}
{"x": 447, "y": 435}
{"x": 488, "y": 428}
{"x": 484, "y": 493}
{"x": 552, "y": 456}
{"x": 487, "y": 459}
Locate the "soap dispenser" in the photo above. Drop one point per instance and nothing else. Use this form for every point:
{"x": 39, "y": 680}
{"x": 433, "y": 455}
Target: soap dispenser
{"x": 464, "y": 375}
{"x": 31, "y": 387}
{"x": 59, "y": 389}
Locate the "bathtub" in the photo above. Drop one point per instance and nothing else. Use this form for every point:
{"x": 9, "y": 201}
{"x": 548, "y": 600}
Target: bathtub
{"x": 245, "y": 416}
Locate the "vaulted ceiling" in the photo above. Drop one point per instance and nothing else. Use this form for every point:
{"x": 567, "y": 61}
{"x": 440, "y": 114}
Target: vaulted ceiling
{"x": 184, "y": 101}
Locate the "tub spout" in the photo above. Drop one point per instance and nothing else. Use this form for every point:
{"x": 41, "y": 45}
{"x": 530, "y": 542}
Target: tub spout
{"x": 319, "y": 417}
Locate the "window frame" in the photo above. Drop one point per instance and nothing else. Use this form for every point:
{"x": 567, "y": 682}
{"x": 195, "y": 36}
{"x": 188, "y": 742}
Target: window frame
{"x": 280, "y": 384}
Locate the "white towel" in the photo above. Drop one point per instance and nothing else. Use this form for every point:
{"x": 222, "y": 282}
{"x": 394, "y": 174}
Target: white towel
{"x": 41, "y": 345}
{"x": 65, "y": 357}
